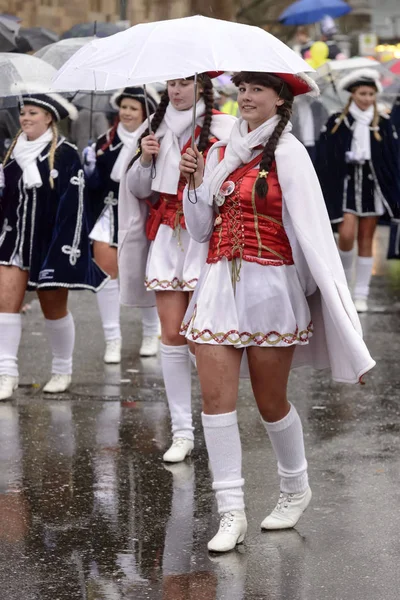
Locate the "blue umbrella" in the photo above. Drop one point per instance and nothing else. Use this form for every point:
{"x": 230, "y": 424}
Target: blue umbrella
{"x": 304, "y": 12}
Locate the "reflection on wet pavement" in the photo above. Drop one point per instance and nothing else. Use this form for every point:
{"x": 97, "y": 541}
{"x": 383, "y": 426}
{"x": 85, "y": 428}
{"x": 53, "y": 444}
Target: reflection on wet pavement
{"x": 88, "y": 511}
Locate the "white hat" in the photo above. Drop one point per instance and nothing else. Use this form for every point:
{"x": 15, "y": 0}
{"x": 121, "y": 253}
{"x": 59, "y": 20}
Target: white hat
{"x": 359, "y": 77}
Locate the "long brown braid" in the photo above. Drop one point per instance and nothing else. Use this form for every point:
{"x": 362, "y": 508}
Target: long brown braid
{"x": 374, "y": 123}
{"x": 285, "y": 112}
{"x": 208, "y": 95}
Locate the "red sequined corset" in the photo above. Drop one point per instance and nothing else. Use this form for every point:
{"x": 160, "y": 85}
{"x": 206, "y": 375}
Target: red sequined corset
{"x": 249, "y": 227}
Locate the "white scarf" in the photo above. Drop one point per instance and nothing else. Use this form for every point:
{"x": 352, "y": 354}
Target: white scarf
{"x": 174, "y": 124}
{"x": 128, "y": 139}
{"x": 240, "y": 150}
{"x": 26, "y": 152}
{"x": 361, "y": 142}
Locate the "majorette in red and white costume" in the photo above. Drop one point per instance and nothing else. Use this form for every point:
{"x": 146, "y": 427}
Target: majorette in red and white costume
{"x": 273, "y": 279}
{"x": 174, "y": 259}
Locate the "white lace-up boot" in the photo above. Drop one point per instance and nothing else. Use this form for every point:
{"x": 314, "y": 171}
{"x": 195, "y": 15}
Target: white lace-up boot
{"x": 361, "y": 305}
{"x": 8, "y": 385}
{"x": 58, "y": 383}
{"x": 112, "y": 355}
{"x": 150, "y": 345}
{"x": 232, "y": 529}
{"x": 288, "y": 511}
{"x": 180, "y": 449}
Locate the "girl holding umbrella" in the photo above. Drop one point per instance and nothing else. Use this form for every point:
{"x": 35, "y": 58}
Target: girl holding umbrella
{"x": 273, "y": 285}
{"x": 174, "y": 260}
{"x": 103, "y": 164}
{"x": 358, "y": 167}
{"x": 44, "y": 244}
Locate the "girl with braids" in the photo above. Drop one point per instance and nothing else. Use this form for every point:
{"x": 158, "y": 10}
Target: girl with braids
{"x": 174, "y": 260}
{"x": 104, "y": 164}
{"x": 358, "y": 168}
{"x": 273, "y": 285}
{"x": 44, "y": 244}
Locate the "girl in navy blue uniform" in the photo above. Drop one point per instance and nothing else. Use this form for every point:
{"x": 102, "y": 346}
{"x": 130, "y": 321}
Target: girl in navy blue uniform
{"x": 394, "y": 242}
{"x": 104, "y": 164}
{"x": 44, "y": 244}
{"x": 359, "y": 175}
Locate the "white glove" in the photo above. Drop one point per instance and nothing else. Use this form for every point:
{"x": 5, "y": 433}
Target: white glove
{"x": 2, "y": 180}
{"x": 89, "y": 159}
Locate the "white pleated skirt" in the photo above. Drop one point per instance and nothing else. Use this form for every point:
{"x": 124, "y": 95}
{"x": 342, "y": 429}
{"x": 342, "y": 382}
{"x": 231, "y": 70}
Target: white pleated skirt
{"x": 101, "y": 231}
{"x": 267, "y": 307}
{"x": 174, "y": 261}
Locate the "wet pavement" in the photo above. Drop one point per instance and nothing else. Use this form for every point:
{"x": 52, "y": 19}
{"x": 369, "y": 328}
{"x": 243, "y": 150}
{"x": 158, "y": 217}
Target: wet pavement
{"x": 88, "y": 511}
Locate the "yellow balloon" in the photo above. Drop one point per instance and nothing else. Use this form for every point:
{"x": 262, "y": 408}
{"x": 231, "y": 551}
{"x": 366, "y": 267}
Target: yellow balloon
{"x": 319, "y": 52}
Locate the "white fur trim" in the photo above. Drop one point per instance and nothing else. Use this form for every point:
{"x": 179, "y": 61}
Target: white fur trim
{"x": 314, "y": 89}
{"x": 366, "y": 74}
{"x": 151, "y": 92}
{"x": 22, "y": 88}
{"x": 114, "y": 98}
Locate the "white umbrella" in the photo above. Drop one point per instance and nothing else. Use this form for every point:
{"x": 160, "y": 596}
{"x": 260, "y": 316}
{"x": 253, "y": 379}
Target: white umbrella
{"x": 19, "y": 69}
{"x": 174, "y": 49}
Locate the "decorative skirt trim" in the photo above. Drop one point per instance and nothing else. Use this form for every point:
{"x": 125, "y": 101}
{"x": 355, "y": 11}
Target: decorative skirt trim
{"x": 175, "y": 284}
{"x": 245, "y": 338}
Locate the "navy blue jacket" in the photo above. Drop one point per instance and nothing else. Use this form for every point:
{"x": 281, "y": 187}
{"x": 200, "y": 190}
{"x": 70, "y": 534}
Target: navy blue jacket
{"x": 47, "y": 228}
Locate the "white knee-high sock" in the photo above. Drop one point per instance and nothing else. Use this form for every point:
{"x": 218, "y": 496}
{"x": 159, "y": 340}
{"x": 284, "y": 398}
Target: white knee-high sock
{"x": 363, "y": 276}
{"x": 222, "y": 437}
{"x": 10, "y": 337}
{"x": 109, "y": 308}
{"x": 287, "y": 441}
{"x": 347, "y": 258}
{"x": 150, "y": 321}
{"x": 175, "y": 363}
{"x": 61, "y": 335}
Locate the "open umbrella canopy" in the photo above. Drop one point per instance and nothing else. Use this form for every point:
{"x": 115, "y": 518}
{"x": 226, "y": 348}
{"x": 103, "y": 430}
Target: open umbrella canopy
{"x": 175, "y": 49}
{"x": 304, "y": 12}
{"x": 23, "y": 70}
{"x": 8, "y": 32}
{"x": 34, "y": 38}
{"x": 91, "y": 29}
{"x": 58, "y": 53}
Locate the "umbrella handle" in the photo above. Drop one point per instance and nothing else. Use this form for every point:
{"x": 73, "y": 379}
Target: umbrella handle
{"x": 193, "y": 141}
{"x": 146, "y": 102}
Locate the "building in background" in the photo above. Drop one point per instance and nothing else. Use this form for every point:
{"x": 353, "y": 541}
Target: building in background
{"x": 61, "y": 15}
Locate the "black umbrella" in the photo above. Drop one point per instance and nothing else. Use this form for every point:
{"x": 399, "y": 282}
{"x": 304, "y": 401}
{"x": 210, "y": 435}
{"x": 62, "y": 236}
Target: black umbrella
{"x": 34, "y": 38}
{"x": 8, "y": 32}
{"x": 88, "y": 29}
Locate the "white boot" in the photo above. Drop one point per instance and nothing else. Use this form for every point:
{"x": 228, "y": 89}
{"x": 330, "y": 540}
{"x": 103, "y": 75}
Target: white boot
{"x": 180, "y": 449}
{"x": 150, "y": 345}
{"x": 232, "y": 529}
{"x": 288, "y": 511}
{"x": 112, "y": 355}
{"x": 58, "y": 383}
{"x": 361, "y": 304}
{"x": 8, "y": 384}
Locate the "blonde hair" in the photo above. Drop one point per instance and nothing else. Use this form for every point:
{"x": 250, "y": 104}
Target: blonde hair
{"x": 52, "y": 151}
{"x": 11, "y": 148}
{"x": 374, "y": 124}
